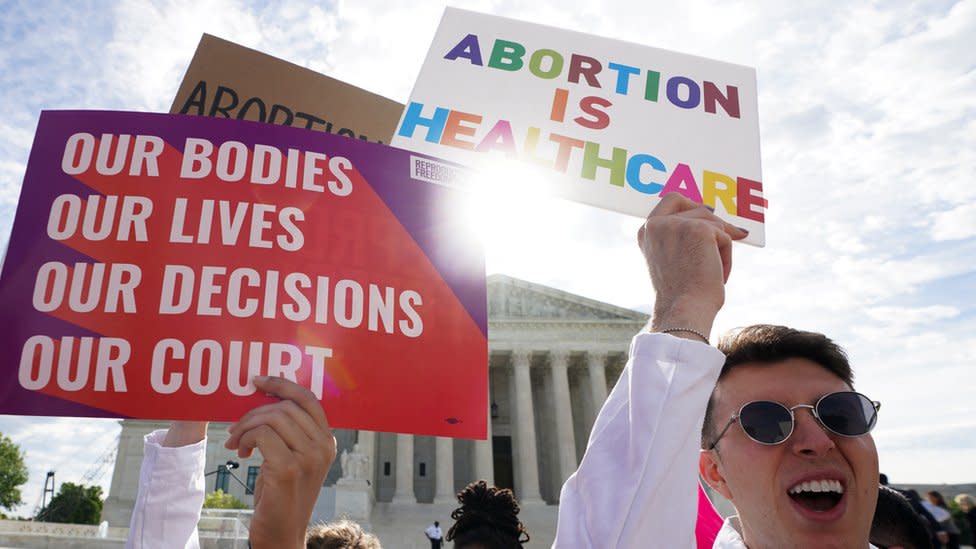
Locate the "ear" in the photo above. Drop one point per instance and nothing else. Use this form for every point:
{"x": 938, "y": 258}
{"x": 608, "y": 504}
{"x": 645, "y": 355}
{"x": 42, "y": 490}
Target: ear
{"x": 710, "y": 468}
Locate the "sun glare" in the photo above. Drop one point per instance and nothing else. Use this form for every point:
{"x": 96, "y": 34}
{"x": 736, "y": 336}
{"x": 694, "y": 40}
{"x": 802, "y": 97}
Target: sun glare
{"x": 508, "y": 202}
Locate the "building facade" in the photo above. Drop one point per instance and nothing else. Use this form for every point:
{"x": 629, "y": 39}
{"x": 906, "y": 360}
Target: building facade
{"x": 553, "y": 358}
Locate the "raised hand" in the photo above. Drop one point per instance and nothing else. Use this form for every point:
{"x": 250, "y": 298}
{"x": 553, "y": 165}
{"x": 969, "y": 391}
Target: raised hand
{"x": 298, "y": 448}
{"x": 688, "y": 250}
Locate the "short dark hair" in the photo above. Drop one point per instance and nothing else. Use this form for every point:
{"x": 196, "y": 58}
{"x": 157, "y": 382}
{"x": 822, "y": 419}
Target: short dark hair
{"x": 897, "y": 524}
{"x": 767, "y": 344}
{"x": 937, "y": 496}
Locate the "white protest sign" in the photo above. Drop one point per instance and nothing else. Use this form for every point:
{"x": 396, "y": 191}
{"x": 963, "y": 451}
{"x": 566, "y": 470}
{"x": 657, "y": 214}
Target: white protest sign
{"x": 619, "y": 123}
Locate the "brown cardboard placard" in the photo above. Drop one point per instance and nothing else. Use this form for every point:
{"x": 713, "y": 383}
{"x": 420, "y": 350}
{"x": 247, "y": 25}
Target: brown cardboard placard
{"x": 228, "y": 80}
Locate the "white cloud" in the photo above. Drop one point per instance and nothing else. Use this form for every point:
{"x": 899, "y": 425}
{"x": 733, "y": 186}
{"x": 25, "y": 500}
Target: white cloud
{"x": 955, "y": 224}
{"x": 901, "y": 319}
{"x": 10, "y": 172}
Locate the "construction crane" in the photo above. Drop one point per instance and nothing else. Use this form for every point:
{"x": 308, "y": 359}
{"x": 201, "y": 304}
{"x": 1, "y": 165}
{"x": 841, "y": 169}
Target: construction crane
{"x": 92, "y": 476}
{"x": 97, "y": 470}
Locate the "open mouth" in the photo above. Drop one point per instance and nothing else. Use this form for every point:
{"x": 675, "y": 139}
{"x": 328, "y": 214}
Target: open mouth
{"x": 818, "y": 496}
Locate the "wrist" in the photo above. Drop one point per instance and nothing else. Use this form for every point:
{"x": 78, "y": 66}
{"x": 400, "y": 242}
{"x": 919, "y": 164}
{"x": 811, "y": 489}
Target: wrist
{"x": 184, "y": 433}
{"x": 688, "y": 318}
{"x": 684, "y": 332}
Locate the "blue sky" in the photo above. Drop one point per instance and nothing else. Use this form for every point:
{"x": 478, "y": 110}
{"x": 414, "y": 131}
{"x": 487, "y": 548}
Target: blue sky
{"x": 868, "y": 125}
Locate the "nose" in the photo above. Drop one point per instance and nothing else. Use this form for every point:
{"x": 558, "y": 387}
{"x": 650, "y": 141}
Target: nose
{"x": 809, "y": 438}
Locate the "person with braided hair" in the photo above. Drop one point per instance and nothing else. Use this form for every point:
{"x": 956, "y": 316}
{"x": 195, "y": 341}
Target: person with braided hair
{"x": 487, "y": 519}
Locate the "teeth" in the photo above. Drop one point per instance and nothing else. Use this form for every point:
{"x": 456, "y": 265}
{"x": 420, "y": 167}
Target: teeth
{"x": 818, "y": 486}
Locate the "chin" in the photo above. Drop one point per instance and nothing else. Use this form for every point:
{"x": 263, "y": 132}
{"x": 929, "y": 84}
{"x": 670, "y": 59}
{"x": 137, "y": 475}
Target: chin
{"x": 827, "y": 535}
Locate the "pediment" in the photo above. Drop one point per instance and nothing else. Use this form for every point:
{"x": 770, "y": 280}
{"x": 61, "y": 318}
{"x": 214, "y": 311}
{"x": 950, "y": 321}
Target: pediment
{"x": 510, "y": 298}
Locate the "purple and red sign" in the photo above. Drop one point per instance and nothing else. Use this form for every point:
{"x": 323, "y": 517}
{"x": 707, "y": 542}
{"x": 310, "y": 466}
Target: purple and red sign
{"x": 159, "y": 262}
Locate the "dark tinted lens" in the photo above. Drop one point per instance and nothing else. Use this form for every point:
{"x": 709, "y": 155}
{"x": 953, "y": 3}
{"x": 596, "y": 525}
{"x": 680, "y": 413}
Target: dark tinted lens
{"x": 849, "y": 414}
{"x": 766, "y": 422}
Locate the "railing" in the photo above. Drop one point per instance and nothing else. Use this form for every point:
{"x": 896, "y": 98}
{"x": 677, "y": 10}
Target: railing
{"x": 59, "y": 529}
{"x": 225, "y": 524}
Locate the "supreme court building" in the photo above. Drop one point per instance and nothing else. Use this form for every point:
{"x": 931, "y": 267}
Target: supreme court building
{"x": 553, "y": 357}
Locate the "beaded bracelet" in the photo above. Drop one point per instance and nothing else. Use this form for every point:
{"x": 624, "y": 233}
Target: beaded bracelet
{"x": 688, "y": 330}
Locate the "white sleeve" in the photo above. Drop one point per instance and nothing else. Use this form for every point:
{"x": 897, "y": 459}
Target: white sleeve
{"x": 637, "y": 485}
{"x": 171, "y": 490}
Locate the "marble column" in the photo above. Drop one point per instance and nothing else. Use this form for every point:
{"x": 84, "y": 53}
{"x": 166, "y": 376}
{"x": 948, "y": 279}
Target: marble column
{"x": 566, "y": 439}
{"x": 367, "y": 447}
{"x": 404, "y": 470}
{"x": 444, "y": 475}
{"x": 596, "y": 364}
{"x": 484, "y": 463}
{"x": 527, "y": 465}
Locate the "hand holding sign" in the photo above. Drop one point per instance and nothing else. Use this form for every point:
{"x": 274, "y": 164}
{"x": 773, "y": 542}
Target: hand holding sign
{"x": 296, "y": 442}
{"x": 689, "y": 254}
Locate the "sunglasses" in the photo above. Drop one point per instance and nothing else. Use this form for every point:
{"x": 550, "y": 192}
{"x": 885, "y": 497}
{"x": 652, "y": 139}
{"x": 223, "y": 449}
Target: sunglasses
{"x": 845, "y": 413}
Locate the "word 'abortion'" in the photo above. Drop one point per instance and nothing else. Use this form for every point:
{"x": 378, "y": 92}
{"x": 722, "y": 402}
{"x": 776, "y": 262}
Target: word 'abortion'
{"x": 547, "y": 64}
{"x": 639, "y": 171}
{"x": 76, "y": 363}
{"x": 226, "y": 102}
{"x": 231, "y": 161}
{"x": 242, "y": 292}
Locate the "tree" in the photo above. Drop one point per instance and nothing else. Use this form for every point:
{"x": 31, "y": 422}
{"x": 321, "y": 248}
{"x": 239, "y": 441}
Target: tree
{"x": 222, "y": 500}
{"x": 75, "y": 504}
{"x": 13, "y": 473}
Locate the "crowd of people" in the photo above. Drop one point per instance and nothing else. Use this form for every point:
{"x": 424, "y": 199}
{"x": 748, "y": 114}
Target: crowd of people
{"x": 769, "y": 418}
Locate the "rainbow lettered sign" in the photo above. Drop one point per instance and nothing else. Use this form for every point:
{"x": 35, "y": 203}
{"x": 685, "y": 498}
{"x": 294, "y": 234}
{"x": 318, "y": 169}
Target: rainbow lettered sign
{"x": 158, "y": 262}
{"x": 622, "y": 123}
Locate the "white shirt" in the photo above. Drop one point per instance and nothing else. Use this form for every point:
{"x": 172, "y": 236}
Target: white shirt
{"x": 938, "y": 513}
{"x": 433, "y": 532}
{"x": 637, "y": 483}
{"x": 729, "y": 537}
{"x": 171, "y": 491}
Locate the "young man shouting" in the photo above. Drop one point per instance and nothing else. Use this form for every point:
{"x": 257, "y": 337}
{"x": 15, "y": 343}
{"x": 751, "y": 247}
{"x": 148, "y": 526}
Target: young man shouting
{"x": 770, "y": 417}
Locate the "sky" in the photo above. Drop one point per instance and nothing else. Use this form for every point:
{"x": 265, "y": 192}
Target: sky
{"x": 868, "y": 136}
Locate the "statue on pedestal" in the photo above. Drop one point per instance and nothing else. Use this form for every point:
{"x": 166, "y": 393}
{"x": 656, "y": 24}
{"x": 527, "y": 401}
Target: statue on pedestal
{"x": 354, "y": 464}
{"x": 354, "y": 496}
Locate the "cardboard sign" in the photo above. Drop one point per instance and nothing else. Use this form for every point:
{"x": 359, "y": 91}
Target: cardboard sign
{"x": 158, "y": 262}
{"x": 226, "y": 80}
{"x": 620, "y": 123}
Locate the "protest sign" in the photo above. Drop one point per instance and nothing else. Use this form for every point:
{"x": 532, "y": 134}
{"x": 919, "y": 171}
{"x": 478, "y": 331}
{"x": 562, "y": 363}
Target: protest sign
{"x": 226, "y": 80}
{"x": 620, "y": 123}
{"x": 158, "y": 262}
